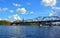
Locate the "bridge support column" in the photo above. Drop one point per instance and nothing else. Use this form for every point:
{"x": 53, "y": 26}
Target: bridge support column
{"x": 40, "y": 24}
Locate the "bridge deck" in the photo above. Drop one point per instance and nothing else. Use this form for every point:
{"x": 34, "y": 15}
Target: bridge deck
{"x": 49, "y": 21}
{"x": 44, "y": 21}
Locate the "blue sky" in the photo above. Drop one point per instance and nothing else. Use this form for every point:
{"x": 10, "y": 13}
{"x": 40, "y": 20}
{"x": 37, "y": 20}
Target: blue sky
{"x": 27, "y": 9}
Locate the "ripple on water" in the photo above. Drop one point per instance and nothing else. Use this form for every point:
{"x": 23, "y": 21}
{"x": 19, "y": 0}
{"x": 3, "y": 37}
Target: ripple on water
{"x": 29, "y": 32}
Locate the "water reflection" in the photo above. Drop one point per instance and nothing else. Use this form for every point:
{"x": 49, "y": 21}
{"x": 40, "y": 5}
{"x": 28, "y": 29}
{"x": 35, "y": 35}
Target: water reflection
{"x": 29, "y": 32}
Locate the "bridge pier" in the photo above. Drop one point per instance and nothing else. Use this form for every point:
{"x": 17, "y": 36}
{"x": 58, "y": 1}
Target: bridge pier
{"x": 13, "y": 24}
{"x": 44, "y": 23}
{"x": 40, "y": 24}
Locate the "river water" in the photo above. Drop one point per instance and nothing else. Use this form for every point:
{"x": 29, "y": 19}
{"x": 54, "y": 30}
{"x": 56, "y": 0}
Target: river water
{"x": 29, "y": 32}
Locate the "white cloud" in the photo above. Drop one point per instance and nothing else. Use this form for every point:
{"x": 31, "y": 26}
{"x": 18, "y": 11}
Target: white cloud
{"x": 31, "y": 12}
{"x": 52, "y": 4}
{"x": 17, "y": 5}
{"x": 9, "y": 17}
{"x": 15, "y": 17}
{"x": 0, "y": 19}
{"x": 6, "y": 19}
{"x": 51, "y": 14}
{"x": 56, "y": 8}
{"x": 3, "y": 9}
{"x": 11, "y": 11}
{"x": 49, "y": 2}
{"x": 6, "y": 9}
{"x": 21, "y": 10}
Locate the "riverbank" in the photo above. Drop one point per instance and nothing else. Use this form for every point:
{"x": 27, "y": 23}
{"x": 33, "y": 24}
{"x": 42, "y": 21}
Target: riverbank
{"x": 5, "y": 23}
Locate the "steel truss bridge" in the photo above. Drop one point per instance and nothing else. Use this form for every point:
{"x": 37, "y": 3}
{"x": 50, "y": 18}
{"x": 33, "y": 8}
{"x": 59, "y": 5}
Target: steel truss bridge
{"x": 41, "y": 20}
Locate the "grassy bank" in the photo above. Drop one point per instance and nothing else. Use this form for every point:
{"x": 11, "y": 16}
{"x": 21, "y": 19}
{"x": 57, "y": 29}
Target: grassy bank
{"x": 4, "y": 22}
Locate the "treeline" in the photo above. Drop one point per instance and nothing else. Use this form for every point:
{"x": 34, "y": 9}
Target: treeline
{"x": 5, "y": 22}
{"x": 30, "y": 24}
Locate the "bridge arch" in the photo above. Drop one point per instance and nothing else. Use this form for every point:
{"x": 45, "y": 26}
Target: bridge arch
{"x": 51, "y": 18}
